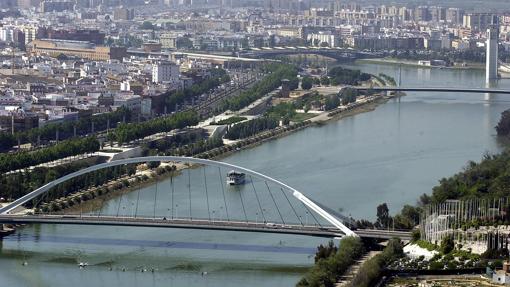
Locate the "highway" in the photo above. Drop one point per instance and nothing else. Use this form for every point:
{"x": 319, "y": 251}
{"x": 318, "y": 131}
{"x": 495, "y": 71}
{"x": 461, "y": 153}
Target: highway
{"x": 204, "y": 224}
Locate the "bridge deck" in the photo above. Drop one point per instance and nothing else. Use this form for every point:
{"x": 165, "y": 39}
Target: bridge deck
{"x": 220, "y": 225}
{"x": 435, "y": 89}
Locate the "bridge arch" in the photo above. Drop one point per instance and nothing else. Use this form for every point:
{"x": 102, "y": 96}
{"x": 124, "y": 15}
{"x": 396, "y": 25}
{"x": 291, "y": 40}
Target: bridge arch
{"x": 295, "y": 193}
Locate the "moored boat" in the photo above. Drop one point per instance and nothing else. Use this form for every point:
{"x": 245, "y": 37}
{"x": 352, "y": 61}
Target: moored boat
{"x": 235, "y": 178}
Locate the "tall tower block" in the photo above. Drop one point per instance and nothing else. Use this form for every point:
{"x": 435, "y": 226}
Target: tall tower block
{"x": 491, "y": 69}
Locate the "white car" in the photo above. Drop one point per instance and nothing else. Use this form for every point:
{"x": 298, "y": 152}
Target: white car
{"x": 271, "y": 225}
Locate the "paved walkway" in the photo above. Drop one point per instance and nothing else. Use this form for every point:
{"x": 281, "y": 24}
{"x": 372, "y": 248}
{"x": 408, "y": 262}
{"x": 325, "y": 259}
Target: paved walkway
{"x": 346, "y": 279}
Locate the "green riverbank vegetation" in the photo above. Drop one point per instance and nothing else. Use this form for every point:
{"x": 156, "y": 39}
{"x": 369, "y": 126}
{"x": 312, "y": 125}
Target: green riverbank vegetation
{"x": 332, "y": 262}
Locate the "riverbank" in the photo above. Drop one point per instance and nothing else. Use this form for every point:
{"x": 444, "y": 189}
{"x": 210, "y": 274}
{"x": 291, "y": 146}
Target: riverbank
{"x": 92, "y": 199}
{"x": 394, "y": 61}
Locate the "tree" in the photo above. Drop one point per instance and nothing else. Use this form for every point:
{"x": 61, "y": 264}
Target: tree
{"x": 324, "y": 252}
{"x": 325, "y": 81}
{"x": 424, "y": 199}
{"x": 306, "y": 83}
{"x": 416, "y": 235}
{"x": 324, "y": 44}
{"x": 411, "y": 213}
{"x": 153, "y": 164}
{"x": 272, "y": 41}
{"x": 147, "y": 25}
{"x": 332, "y": 102}
{"x": 447, "y": 244}
{"x": 349, "y": 95}
{"x": 383, "y": 215}
{"x": 6, "y": 141}
{"x": 503, "y": 127}
{"x": 183, "y": 43}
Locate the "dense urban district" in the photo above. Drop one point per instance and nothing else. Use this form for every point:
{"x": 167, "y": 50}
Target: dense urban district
{"x": 86, "y": 82}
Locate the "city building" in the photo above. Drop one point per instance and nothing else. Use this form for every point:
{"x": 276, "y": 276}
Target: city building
{"x": 81, "y": 49}
{"x": 477, "y": 21}
{"x": 125, "y": 14}
{"x": 165, "y": 72}
{"x": 17, "y": 120}
{"x": 56, "y": 6}
{"x": 93, "y": 36}
{"x": 324, "y": 39}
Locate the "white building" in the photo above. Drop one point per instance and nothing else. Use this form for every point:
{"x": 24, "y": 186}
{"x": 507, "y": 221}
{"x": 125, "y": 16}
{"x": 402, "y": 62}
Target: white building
{"x": 165, "y": 72}
{"x": 129, "y": 101}
{"x": 6, "y": 34}
{"x": 318, "y": 39}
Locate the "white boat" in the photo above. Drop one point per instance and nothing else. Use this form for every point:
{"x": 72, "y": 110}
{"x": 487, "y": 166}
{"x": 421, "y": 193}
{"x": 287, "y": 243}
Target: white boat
{"x": 235, "y": 178}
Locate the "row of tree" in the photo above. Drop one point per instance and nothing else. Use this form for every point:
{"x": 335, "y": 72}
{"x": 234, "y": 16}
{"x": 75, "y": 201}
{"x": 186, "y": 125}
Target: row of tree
{"x": 332, "y": 262}
{"x": 15, "y": 185}
{"x": 66, "y": 129}
{"x": 342, "y": 76}
{"x": 349, "y": 95}
{"x": 101, "y": 122}
{"x": 175, "y": 98}
{"x": 371, "y": 271}
{"x": 282, "y": 111}
{"x": 7, "y": 141}
{"x": 276, "y": 73}
{"x": 183, "y": 145}
{"x": 250, "y": 128}
{"x": 21, "y": 160}
{"x": 129, "y": 132}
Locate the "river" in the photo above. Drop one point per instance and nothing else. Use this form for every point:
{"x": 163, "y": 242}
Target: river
{"x": 392, "y": 154}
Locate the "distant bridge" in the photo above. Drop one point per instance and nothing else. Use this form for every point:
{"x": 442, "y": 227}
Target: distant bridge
{"x": 435, "y": 89}
{"x": 270, "y": 214}
{"x": 334, "y": 53}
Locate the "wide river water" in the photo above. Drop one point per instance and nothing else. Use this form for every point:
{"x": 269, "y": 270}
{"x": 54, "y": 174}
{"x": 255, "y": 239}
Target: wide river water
{"x": 392, "y": 154}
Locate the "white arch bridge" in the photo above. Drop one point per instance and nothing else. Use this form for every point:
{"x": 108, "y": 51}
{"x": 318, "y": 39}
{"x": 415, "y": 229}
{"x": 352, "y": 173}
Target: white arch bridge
{"x": 272, "y": 204}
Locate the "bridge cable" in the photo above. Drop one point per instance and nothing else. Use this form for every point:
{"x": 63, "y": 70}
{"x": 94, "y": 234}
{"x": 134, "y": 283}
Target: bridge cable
{"x": 207, "y": 195}
{"x": 258, "y": 201}
{"x": 242, "y": 204}
{"x": 172, "y": 184}
{"x": 223, "y": 190}
{"x": 155, "y": 198}
{"x": 120, "y": 201}
{"x": 189, "y": 191}
{"x": 274, "y": 201}
{"x": 292, "y": 207}
{"x": 311, "y": 213}
{"x": 102, "y": 204}
{"x": 137, "y": 200}
{"x": 121, "y": 193}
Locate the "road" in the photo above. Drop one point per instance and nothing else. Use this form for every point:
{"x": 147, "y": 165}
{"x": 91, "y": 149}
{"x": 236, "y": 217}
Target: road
{"x": 185, "y": 223}
{"x": 434, "y": 89}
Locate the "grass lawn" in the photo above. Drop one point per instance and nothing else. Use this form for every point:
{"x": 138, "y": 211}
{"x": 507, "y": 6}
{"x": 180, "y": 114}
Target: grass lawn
{"x": 300, "y": 117}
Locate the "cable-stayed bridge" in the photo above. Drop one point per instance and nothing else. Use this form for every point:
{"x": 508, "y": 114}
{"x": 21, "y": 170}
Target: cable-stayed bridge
{"x": 197, "y": 197}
